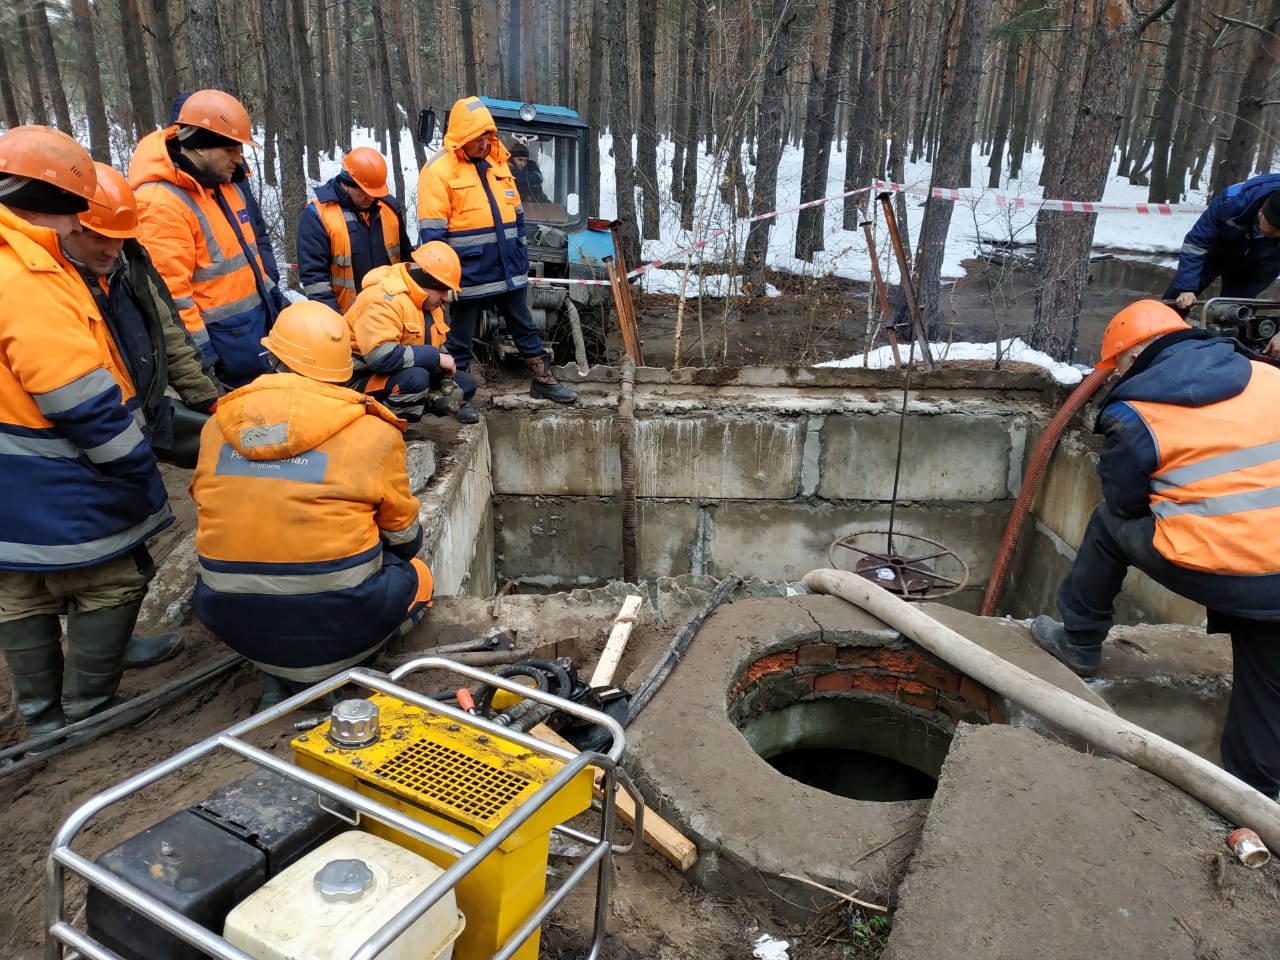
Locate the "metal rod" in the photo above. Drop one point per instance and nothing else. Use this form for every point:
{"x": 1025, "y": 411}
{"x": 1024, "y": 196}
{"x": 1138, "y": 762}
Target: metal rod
{"x": 907, "y": 284}
{"x": 886, "y": 311}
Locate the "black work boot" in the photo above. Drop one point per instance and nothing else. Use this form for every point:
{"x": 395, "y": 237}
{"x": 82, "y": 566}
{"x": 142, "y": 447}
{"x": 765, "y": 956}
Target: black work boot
{"x": 545, "y": 386}
{"x": 33, "y": 649}
{"x": 1053, "y": 637}
{"x": 96, "y": 642}
{"x": 142, "y": 652}
{"x": 467, "y": 413}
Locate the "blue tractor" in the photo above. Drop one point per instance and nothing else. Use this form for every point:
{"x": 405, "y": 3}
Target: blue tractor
{"x": 564, "y": 241}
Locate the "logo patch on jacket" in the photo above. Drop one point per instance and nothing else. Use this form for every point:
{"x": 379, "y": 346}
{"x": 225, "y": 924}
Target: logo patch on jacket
{"x": 511, "y": 194}
{"x": 244, "y": 216}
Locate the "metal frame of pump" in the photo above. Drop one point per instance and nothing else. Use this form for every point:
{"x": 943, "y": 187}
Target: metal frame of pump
{"x": 574, "y": 250}
{"x": 60, "y": 933}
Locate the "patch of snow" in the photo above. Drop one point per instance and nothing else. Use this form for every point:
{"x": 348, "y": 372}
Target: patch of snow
{"x": 881, "y": 358}
{"x": 769, "y": 948}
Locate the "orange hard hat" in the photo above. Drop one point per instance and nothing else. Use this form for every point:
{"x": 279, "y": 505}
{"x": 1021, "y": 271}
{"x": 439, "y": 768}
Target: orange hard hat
{"x": 367, "y": 168}
{"x": 42, "y": 153}
{"x": 312, "y": 339}
{"x": 438, "y": 259}
{"x": 1137, "y": 323}
{"x": 219, "y": 112}
{"x": 113, "y": 212}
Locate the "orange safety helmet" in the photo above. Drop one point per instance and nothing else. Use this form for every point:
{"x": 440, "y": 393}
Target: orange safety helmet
{"x": 1137, "y": 323}
{"x": 220, "y": 112}
{"x": 42, "y": 153}
{"x": 438, "y": 259}
{"x": 312, "y": 339}
{"x": 113, "y": 211}
{"x": 367, "y": 168}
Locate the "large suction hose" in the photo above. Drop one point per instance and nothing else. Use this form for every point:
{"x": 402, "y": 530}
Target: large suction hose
{"x": 1031, "y": 485}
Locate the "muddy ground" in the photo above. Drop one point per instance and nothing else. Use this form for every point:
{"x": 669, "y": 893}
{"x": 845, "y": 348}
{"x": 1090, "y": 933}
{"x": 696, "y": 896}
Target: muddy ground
{"x": 655, "y": 912}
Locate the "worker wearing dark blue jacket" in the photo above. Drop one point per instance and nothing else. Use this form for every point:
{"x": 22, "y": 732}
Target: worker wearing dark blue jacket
{"x": 1237, "y": 238}
{"x": 1191, "y": 497}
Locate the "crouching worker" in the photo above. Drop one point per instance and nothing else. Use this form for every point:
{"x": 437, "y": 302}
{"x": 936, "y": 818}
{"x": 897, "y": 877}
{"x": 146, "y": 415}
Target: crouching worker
{"x": 307, "y": 529}
{"x": 1191, "y": 497}
{"x": 397, "y": 358}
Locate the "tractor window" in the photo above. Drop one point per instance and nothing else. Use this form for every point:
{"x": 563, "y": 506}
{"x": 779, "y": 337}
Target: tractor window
{"x": 548, "y": 175}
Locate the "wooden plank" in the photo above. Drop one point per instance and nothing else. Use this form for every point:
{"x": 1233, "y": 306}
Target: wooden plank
{"x": 674, "y": 846}
{"x": 623, "y": 624}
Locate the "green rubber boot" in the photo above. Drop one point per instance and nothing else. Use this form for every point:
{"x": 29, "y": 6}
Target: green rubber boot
{"x": 142, "y": 652}
{"x": 96, "y": 643}
{"x": 33, "y": 649}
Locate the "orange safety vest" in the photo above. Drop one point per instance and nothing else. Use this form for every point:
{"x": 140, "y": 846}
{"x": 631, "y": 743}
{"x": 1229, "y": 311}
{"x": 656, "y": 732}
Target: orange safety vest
{"x": 1216, "y": 492}
{"x": 339, "y": 222}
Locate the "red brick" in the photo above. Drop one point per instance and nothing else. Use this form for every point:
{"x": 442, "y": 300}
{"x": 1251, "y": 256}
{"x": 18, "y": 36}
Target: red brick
{"x": 899, "y": 661}
{"x": 872, "y": 681}
{"x": 774, "y": 663}
{"x": 838, "y": 681}
{"x": 928, "y": 700}
{"x": 815, "y": 654}
{"x": 940, "y": 678}
{"x": 974, "y": 695}
{"x": 858, "y": 655}
{"x": 911, "y": 686}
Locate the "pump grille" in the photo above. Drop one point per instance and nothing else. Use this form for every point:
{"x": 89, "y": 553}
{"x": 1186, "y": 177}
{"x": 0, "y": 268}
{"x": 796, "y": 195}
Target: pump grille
{"x": 453, "y": 779}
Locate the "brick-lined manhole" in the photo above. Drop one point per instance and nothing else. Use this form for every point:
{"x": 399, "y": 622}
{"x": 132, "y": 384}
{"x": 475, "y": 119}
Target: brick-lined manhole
{"x": 865, "y": 722}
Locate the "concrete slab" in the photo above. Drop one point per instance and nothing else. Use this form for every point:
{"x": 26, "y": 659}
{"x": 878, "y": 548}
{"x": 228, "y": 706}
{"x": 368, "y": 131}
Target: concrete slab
{"x": 1033, "y": 849}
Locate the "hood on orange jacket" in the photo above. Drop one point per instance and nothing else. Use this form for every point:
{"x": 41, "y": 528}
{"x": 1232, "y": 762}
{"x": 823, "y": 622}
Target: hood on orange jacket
{"x": 467, "y": 120}
{"x": 281, "y": 415}
{"x": 395, "y": 279}
{"x": 151, "y": 162}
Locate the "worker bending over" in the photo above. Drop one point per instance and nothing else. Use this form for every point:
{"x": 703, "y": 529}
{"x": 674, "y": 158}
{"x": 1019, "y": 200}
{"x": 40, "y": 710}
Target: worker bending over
{"x": 397, "y": 329}
{"x": 1191, "y": 497}
{"x": 307, "y": 531}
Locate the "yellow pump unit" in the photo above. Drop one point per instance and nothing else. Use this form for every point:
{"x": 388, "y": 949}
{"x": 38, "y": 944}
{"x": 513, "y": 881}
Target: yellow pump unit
{"x": 461, "y": 781}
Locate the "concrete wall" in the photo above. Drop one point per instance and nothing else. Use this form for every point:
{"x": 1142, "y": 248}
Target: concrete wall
{"x": 755, "y": 481}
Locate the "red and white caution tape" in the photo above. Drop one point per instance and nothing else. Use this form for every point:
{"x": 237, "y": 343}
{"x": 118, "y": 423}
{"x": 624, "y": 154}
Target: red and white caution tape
{"x": 1034, "y": 203}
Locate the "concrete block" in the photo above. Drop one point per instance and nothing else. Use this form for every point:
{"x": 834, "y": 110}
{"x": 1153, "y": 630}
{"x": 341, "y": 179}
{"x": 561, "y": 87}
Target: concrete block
{"x": 454, "y": 514}
{"x": 1070, "y": 489}
{"x": 718, "y": 457}
{"x": 950, "y": 457}
{"x": 420, "y": 459}
{"x": 559, "y": 453}
{"x": 784, "y": 541}
{"x": 560, "y": 543}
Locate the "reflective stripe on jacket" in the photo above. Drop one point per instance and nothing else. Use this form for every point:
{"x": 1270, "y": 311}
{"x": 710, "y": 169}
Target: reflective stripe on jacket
{"x": 211, "y": 267}
{"x": 1215, "y": 493}
{"x": 475, "y": 207}
{"x": 388, "y": 327}
{"x": 81, "y": 479}
{"x": 295, "y": 511}
{"x": 338, "y": 245}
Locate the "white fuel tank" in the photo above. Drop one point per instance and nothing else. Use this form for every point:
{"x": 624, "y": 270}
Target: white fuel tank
{"x": 334, "y": 899}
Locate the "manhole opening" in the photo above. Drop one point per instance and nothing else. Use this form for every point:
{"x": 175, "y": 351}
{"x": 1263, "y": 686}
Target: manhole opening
{"x": 864, "y": 722}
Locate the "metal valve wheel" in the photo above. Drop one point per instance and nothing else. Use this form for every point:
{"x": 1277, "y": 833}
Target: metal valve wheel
{"x": 909, "y": 565}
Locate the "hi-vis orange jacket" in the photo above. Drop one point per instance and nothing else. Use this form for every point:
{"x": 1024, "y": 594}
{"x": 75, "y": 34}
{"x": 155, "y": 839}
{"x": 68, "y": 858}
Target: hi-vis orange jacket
{"x": 82, "y": 484}
{"x": 306, "y": 523}
{"x": 388, "y": 328}
{"x": 475, "y": 207}
{"x": 1193, "y": 438}
{"x": 338, "y": 245}
{"x": 201, "y": 240}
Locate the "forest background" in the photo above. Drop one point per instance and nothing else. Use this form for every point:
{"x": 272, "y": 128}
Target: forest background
{"x": 1175, "y": 95}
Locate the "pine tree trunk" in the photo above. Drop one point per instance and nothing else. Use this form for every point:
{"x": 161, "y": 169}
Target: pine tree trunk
{"x": 647, "y": 132}
{"x": 135, "y": 61}
{"x": 1068, "y": 72}
{"x": 1197, "y": 123}
{"x": 467, "y": 29}
{"x": 1008, "y": 90}
{"x": 49, "y": 63}
{"x": 391, "y": 116}
{"x": 923, "y": 91}
{"x": 1235, "y": 159}
{"x": 408, "y": 92}
{"x": 814, "y": 171}
{"x": 596, "y": 104}
{"x": 959, "y": 113}
{"x": 346, "y": 77}
{"x": 163, "y": 42}
{"x": 863, "y": 150}
{"x": 513, "y": 68}
{"x": 1063, "y": 240}
{"x": 620, "y": 127}
{"x": 12, "y": 117}
{"x": 99, "y": 139}
{"x": 680, "y": 121}
{"x": 208, "y": 55}
{"x": 1027, "y": 84}
{"x": 565, "y": 55}
{"x": 1165, "y": 187}
{"x": 528, "y": 62}
{"x": 280, "y": 80}
{"x": 697, "y": 82}
{"x": 270, "y": 112}
{"x": 308, "y": 98}
{"x": 769, "y": 146}
{"x": 328, "y": 93}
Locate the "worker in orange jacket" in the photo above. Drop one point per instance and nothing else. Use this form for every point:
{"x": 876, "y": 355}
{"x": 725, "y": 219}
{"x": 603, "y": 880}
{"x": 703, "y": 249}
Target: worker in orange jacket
{"x": 83, "y": 489}
{"x": 196, "y": 224}
{"x": 397, "y": 332}
{"x": 352, "y": 226}
{"x": 1191, "y": 497}
{"x": 307, "y": 531}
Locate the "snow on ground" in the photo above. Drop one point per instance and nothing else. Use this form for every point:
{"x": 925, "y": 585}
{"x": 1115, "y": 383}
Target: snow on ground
{"x": 881, "y": 358}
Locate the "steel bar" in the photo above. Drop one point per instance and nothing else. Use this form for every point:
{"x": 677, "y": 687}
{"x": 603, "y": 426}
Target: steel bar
{"x": 886, "y": 311}
{"x": 907, "y": 284}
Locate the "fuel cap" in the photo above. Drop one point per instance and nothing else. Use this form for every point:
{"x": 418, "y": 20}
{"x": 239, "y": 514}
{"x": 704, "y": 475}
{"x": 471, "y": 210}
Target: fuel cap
{"x": 343, "y": 881}
{"x": 353, "y": 723}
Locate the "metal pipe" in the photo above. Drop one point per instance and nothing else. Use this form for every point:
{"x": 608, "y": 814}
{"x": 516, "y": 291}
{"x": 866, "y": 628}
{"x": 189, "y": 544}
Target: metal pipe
{"x": 907, "y": 284}
{"x": 886, "y": 311}
{"x": 627, "y": 462}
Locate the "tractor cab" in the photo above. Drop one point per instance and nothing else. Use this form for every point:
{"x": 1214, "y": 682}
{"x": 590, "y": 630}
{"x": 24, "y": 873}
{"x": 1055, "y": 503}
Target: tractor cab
{"x": 550, "y": 162}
